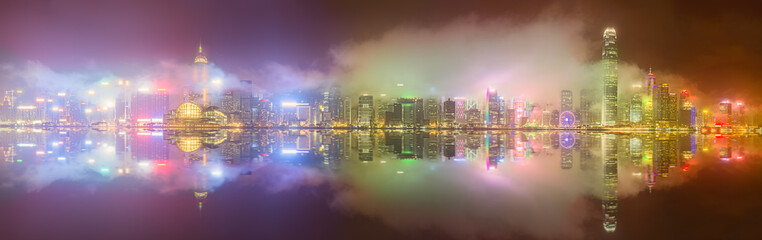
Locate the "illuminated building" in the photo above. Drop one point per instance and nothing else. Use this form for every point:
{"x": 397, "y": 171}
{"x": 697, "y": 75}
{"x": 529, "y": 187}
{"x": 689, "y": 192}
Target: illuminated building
{"x": 493, "y": 115}
{"x": 365, "y": 111}
{"x": 510, "y": 117}
{"x": 547, "y": 119}
{"x": 449, "y": 112}
{"x": 610, "y": 77}
{"x": 346, "y": 109}
{"x": 200, "y": 77}
{"x": 433, "y": 110}
{"x": 460, "y": 110}
{"x": 412, "y": 111}
{"x": 566, "y": 101}
{"x": 665, "y": 106}
{"x": 725, "y": 113}
{"x": 520, "y": 111}
{"x": 585, "y": 107}
{"x": 636, "y": 109}
{"x": 474, "y": 117}
{"x": 650, "y": 83}
{"x": 149, "y": 107}
{"x": 296, "y": 114}
{"x": 8, "y": 110}
{"x": 738, "y": 117}
{"x": 686, "y": 112}
{"x": 191, "y": 115}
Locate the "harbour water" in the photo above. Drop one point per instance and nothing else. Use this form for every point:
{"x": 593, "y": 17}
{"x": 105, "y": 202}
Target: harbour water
{"x": 340, "y": 184}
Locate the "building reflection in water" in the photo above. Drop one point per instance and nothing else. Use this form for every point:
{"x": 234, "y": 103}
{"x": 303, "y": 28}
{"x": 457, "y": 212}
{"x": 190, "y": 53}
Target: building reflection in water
{"x": 209, "y": 158}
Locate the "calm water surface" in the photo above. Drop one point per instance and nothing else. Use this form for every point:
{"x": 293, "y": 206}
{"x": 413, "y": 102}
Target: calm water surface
{"x": 306, "y": 184}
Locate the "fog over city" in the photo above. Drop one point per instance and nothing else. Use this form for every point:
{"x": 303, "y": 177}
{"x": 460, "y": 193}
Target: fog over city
{"x": 460, "y": 58}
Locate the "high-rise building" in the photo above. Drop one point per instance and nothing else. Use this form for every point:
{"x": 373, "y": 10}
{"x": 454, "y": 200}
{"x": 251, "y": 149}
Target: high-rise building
{"x": 585, "y": 107}
{"x": 663, "y": 112}
{"x": 493, "y": 113}
{"x": 149, "y": 106}
{"x": 510, "y": 117}
{"x": 412, "y": 111}
{"x": 346, "y": 109}
{"x": 365, "y": 111}
{"x": 521, "y": 113}
{"x": 450, "y": 112}
{"x": 200, "y": 77}
{"x": 610, "y": 77}
{"x": 433, "y": 110}
{"x": 686, "y": 111}
{"x": 636, "y": 109}
{"x": 566, "y": 100}
{"x": 460, "y": 110}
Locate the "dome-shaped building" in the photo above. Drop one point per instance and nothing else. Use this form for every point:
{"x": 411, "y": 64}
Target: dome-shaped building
{"x": 190, "y": 115}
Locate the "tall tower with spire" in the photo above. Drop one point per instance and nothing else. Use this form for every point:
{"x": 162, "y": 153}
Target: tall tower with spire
{"x": 650, "y": 82}
{"x": 610, "y": 77}
{"x": 201, "y": 76}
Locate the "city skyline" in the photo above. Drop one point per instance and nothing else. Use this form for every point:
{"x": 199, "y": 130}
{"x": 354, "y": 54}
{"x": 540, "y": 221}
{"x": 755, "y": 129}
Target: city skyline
{"x": 211, "y": 101}
{"x": 398, "y": 119}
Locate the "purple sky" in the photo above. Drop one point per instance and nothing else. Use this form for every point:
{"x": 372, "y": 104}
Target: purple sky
{"x": 706, "y": 43}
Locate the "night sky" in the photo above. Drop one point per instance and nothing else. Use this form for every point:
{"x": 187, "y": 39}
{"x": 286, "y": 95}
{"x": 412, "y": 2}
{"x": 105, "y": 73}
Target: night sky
{"x": 716, "y": 45}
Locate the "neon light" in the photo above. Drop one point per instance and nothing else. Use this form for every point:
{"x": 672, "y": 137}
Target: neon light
{"x": 26, "y": 145}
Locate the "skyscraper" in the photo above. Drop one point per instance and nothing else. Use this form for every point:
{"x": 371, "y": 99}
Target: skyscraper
{"x": 566, "y": 100}
{"x": 665, "y": 106}
{"x": 201, "y": 75}
{"x": 585, "y": 106}
{"x": 610, "y": 77}
{"x": 432, "y": 112}
{"x": 493, "y": 114}
{"x": 365, "y": 111}
{"x": 520, "y": 111}
{"x": 460, "y": 110}
{"x": 449, "y": 112}
{"x": 149, "y": 106}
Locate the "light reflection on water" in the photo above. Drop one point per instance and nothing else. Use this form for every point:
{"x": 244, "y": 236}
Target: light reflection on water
{"x": 467, "y": 184}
